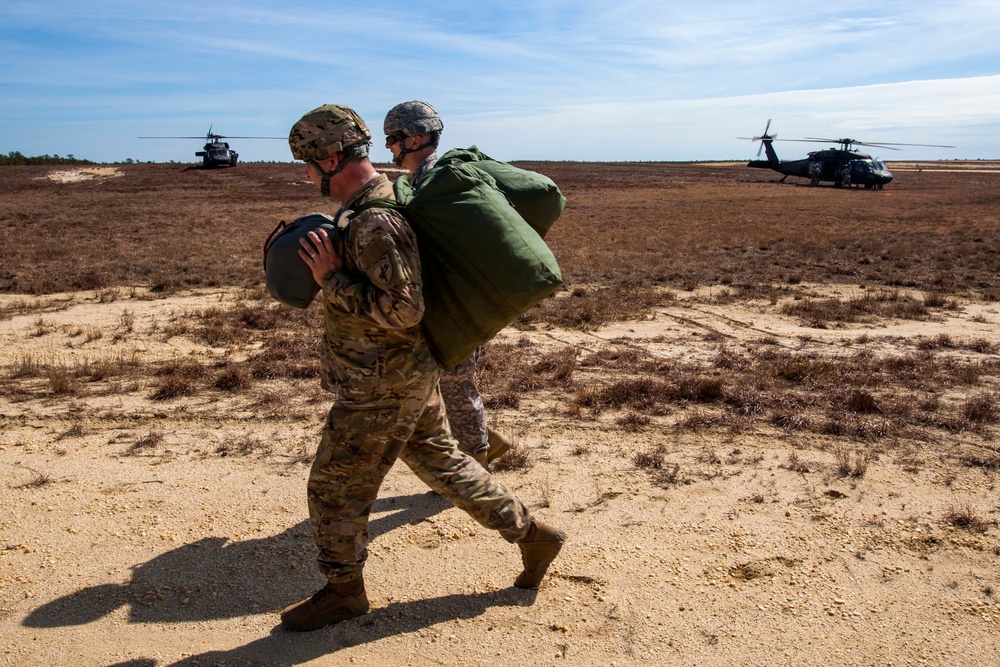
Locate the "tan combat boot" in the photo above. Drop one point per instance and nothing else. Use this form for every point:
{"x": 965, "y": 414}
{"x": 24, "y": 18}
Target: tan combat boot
{"x": 482, "y": 458}
{"x": 538, "y": 549}
{"x": 331, "y": 604}
{"x": 499, "y": 444}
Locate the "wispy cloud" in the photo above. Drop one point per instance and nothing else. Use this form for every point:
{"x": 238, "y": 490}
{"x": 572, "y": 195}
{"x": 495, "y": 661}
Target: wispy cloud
{"x": 637, "y": 79}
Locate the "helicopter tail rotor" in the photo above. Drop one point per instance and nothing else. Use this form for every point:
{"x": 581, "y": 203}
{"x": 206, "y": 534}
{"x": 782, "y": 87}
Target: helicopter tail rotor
{"x": 765, "y": 135}
{"x": 763, "y": 138}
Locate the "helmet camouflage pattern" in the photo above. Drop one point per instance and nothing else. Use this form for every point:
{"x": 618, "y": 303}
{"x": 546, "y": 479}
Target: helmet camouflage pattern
{"x": 327, "y": 130}
{"x": 412, "y": 118}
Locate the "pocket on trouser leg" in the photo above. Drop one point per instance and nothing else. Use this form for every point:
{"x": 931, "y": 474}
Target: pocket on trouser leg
{"x": 357, "y": 450}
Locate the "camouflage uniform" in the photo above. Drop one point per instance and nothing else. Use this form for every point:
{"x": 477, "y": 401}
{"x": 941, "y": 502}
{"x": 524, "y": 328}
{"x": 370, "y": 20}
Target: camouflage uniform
{"x": 462, "y": 401}
{"x": 375, "y": 358}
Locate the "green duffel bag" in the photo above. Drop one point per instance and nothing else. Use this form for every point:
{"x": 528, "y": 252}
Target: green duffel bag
{"x": 535, "y": 197}
{"x": 288, "y": 278}
{"x": 482, "y": 263}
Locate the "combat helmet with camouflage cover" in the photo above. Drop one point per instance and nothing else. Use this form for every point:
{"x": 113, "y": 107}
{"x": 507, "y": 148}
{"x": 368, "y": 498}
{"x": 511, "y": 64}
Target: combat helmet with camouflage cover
{"x": 326, "y": 131}
{"x": 410, "y": 119}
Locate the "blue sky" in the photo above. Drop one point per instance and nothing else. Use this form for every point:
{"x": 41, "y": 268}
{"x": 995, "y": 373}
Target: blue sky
{"x": 547, "y": 80}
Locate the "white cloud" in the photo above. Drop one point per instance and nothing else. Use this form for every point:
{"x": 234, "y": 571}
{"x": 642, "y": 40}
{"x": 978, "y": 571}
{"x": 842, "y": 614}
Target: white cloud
{"x": 637, "y": 79}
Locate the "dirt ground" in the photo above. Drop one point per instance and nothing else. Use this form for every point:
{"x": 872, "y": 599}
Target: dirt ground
{"x": 140, "y": 531}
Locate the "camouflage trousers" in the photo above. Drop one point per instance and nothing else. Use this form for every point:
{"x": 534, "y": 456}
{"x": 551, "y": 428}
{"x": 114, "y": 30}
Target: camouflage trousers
{"x": 464, "y": 406}
{"x": 360, "y": 443}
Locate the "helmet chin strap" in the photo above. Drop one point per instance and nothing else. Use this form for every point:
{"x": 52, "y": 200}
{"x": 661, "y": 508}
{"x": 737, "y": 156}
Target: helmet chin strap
{"x": 351, "y": 153}
{"x": 404, "y": 151}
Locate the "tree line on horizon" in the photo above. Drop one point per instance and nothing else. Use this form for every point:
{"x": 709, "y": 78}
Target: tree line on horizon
{"x": 16, "y": 158}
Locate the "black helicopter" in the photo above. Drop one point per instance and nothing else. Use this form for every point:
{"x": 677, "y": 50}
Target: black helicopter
{"x": 216, "y": 153}
{"x": 842, "y": 166}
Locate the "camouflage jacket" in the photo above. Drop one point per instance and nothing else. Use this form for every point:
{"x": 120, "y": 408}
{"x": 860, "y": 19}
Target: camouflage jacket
{"x": 425, "y": 165}
{"x": 372, "y": 341}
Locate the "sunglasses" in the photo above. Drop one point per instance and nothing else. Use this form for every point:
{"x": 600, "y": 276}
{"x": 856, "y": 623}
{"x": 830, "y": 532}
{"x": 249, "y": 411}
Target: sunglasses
{"x": 393, "y": 138}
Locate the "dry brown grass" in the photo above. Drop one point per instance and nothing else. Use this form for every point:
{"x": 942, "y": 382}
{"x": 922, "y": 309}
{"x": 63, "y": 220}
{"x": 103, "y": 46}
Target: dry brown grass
{"x": 869, "y": 306}
{"x": 244, "y": 445}
{"x": 146, "y": 443}
{"x": 652, "y": 458}
{"x": 234, "y": 377}
{"x": 632, "y": 240}
{"x": 518, "y": 457}
{"x": 37, "y": 480}
{"x": 852, "y": 462}
{"x": 967, "y": 518}
{"x": 627, "y": 232}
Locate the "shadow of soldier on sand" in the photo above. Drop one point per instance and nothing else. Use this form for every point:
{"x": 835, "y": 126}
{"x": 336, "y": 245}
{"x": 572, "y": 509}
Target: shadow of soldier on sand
{"x": 284, "y": 649}
{"x": 215, "y": 578}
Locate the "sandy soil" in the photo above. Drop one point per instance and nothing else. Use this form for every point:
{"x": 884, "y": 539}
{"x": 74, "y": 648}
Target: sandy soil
{"x": 84, "y": 174}
{"x": 181, "y": 551}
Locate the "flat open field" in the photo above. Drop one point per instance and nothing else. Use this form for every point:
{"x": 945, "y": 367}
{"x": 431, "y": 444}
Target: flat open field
{"x": 766, "y": 415}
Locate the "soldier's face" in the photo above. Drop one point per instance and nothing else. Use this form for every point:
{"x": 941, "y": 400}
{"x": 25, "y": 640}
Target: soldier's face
{"x": 313, "y": 174}
{"x": 394, "y": 143}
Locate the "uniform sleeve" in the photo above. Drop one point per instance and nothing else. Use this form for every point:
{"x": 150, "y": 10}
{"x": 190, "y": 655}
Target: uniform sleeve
{"x": 386, "y": 290}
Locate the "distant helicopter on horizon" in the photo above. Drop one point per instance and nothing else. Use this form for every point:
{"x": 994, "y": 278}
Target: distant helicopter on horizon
{"x": 842, "y": 166}
{"x": 215, "y": 152}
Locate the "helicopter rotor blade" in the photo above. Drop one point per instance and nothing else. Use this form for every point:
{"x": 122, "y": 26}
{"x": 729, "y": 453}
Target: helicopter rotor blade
{"x": 884, "y": 145}
{"x": 213, "y": 136}
{"x": 879, "y": 144}
{"x": 774, "y": 137}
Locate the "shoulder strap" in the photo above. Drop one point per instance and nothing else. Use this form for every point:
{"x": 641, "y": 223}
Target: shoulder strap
{"x": 381, "y": 202}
